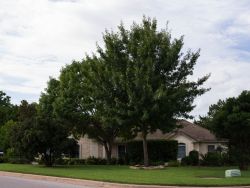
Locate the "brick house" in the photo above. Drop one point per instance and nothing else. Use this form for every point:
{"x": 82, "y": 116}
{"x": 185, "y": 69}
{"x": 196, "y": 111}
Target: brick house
{"x": 189, "y": 137}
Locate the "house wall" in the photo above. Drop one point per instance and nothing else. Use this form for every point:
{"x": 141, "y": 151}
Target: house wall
{"x": 204, "y": 147}
{"x": 180, "y": 138}
{"x": 197, "y": 146}
{"x": 89, "y": 148}
{"x": 115, "y": 151}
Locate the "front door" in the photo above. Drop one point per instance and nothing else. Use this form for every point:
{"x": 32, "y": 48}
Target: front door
{"x": 181, "y": 150}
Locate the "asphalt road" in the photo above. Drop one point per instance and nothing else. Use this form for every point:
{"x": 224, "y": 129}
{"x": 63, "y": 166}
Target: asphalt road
{"x": 14, "y": 182}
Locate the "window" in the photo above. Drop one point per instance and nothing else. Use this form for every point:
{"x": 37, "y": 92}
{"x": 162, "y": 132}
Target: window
{"x": 181, "y": 150}
{"x": 211, "y": 148}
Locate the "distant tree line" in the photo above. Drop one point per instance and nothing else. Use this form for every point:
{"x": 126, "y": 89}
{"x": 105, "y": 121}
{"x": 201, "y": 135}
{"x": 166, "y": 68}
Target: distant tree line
{"x": 31, "y": 131}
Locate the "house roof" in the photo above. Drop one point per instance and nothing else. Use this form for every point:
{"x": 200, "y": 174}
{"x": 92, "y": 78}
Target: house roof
{"x": 196, "y": 132}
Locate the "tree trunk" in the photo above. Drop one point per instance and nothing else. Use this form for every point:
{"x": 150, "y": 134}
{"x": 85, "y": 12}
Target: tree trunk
{"x": 145, "y": 149}
{"x": 108, "y": 151}
{"x": 48, "y": 158}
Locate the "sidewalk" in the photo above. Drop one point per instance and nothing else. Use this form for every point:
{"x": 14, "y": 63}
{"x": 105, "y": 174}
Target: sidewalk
{"x": 90, "y": 183}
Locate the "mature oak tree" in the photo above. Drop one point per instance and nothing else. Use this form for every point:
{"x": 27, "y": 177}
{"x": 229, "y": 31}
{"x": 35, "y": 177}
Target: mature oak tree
{"x": 230, "y": 119}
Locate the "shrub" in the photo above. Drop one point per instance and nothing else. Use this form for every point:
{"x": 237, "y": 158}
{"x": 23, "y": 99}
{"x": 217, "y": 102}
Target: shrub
{"x": 158, "y": 150}
{"x": 75, "y": 161}
{"x": 174, "y": 163}
{"x": 185, "y": 161}
{"x": 226, "y": 159}
{"x": 191, "y": 159}
{"x": 157, "y": 163}
{"x": 66, "y": 161}
{"x": 58, "y": 161}
{"x": 18, "y": 160}
{"x": 114, "y": 161}
{"x": 122, "y": 161}
{"x": 212, "y": 159}
{"x": 2, "y": 159}
{"x": 96, "y": 161}
{"x": 194, "y": 157}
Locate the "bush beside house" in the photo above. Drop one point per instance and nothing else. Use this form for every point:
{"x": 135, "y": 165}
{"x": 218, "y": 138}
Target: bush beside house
{"x": 159, "y": 151}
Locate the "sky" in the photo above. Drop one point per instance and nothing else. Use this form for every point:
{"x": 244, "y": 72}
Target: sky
{"x": 38, "y": 38}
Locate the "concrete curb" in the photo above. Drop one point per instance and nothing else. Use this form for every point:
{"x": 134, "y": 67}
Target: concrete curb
{"x": 91, "y": 183}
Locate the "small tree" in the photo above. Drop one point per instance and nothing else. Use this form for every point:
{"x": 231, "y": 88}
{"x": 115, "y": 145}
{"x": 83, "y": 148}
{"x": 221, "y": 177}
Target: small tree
{"x": 21, "y": 133}
{"x": 37, "y": 131}
{"x": 231, "y": 120}
{"x": 51, "y": 131}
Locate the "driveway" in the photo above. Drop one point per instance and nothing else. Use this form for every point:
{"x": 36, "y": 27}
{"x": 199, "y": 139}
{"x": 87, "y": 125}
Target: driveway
{"x": 16, "y": 182}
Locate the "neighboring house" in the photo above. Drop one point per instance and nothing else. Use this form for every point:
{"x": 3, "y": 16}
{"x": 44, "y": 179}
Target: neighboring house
{"x": 189, "y": 137}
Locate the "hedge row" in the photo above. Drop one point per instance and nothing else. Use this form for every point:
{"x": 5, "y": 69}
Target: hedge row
{"x": 14, "y": 160}
{"x": 208, "y": 159}
{"x": 88, "y": 161}
{"x": 158, "y": 150}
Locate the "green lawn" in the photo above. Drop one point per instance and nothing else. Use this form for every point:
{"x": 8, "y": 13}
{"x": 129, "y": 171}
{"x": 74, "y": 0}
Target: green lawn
{"x": 169, "y": 176}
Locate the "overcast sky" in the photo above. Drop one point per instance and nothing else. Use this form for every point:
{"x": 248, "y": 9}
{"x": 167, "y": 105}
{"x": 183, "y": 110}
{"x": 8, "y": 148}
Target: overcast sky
{"x": 37, "y": 38}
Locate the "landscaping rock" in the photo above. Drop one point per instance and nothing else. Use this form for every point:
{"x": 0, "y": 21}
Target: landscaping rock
{"x": 147, "y": 167}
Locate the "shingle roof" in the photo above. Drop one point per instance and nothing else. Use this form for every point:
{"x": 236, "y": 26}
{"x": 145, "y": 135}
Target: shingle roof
{"x": 196, "y": 132}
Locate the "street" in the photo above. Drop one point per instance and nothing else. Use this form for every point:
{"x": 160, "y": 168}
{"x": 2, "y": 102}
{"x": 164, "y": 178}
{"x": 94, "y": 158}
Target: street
{"x": 15, "y": 182}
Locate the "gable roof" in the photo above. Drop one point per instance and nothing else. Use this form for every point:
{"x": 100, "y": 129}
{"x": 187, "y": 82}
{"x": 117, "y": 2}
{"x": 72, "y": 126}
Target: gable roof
{"x": 198, "y": 133}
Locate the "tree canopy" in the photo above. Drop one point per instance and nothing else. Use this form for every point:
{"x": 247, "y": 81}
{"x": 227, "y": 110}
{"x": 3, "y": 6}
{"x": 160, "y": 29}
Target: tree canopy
{"x": 137, "y": 83}
{"x": 230, "y": 119}
{"x": 38, "y": 132}
{"x": 8, "y": 113}
{"x": 81, "y": 104}
{"x": 7, "y": 110}
{"x": 148, "y": 74}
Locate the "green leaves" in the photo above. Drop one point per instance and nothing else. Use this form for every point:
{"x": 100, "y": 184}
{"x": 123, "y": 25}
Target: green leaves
{"x": 230, "y": 119}
{"x": 136, "y": 82}
{"x": 7, "y": 110}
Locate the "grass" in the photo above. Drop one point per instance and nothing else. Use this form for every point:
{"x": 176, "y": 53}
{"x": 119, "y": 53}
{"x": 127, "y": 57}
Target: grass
{"x": 195, "y": 176}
